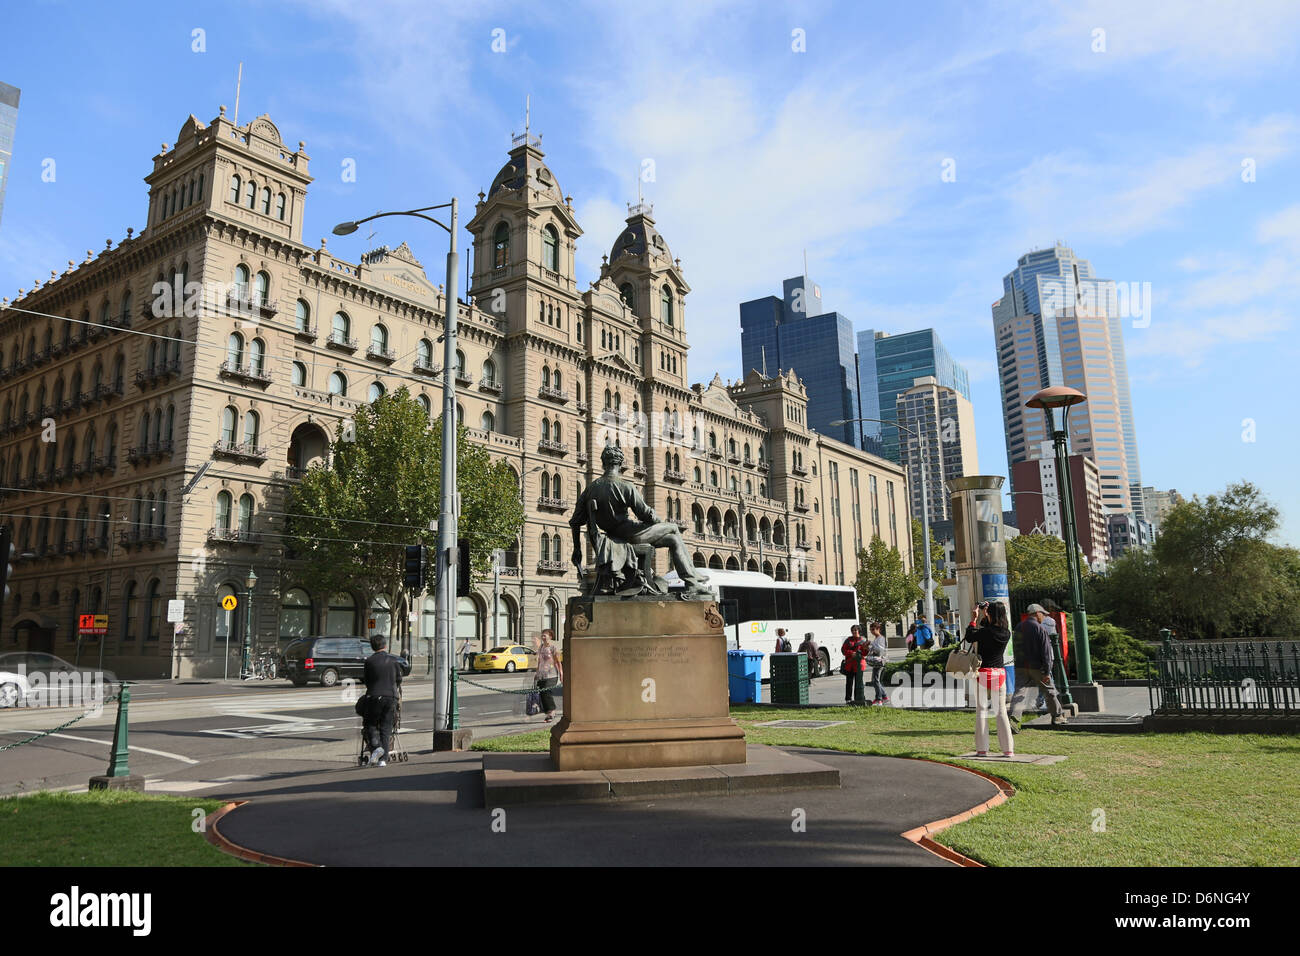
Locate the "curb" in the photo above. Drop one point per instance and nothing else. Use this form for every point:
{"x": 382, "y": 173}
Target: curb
{"x": 921, "y": 835}
{"x": 214, "y": 837}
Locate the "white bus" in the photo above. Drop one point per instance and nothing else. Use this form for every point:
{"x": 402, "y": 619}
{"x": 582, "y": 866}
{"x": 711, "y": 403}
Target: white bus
{"x": 754, "y": 605}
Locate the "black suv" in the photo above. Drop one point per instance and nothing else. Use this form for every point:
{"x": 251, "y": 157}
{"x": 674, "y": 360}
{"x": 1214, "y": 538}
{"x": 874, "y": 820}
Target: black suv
{"x": 324, "y": 659}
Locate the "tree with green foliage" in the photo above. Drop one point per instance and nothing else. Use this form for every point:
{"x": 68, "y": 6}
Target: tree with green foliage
{"x": 886, "y": 590}
{"x": 351, "y": 519}
{"x": 1037, "y": 560}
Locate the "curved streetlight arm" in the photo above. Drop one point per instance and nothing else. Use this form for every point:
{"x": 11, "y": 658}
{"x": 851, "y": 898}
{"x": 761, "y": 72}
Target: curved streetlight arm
{"x": 351, "y": 227}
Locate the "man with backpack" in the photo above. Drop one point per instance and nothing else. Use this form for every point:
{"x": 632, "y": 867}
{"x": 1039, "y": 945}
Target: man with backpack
{"x": 783, "y": 645}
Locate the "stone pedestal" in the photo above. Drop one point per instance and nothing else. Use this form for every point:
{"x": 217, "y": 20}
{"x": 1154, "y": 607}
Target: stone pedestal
{"x": 645, "y": 685}
{"x": 1088, "y": 698}
{"x": 130, "y": 781}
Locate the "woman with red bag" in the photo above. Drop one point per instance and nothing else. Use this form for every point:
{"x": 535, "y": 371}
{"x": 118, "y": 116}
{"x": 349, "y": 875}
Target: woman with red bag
{"x": 855, "y": 650}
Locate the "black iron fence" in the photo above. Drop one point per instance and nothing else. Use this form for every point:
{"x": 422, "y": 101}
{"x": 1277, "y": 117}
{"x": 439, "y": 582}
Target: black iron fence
{"x": 1243, "y": 677}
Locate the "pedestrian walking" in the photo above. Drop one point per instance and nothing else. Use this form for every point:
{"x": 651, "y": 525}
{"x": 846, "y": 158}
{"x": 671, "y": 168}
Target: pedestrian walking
{"x": 782, "y": 642}
{"x": 854, "y": 650}
{"x": 550, "y": 671}
{"x": 924, "y": 636}
{"x": 876, "y": 658}
{"x": 1034, "y": 659}
{"x": 990, "y": 635}
{"x": 911, "y": 636}
{"x": 467, "y": 655}
{"x": 382, "y": 676}
{"x": 809, "y": 647}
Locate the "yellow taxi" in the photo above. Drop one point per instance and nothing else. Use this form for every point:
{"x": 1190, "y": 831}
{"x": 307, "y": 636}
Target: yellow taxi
{"x": 508, "y": 658}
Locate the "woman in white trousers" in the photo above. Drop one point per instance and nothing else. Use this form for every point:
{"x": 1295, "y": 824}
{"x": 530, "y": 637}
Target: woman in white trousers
{"x": 990, "y": 635}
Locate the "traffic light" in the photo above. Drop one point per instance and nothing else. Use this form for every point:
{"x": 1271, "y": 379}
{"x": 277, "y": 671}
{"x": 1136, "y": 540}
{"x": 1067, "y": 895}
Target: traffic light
{"x": 417, "y": 567}
{"x": 6, "y": 557}
{"x": 462, "y": 568}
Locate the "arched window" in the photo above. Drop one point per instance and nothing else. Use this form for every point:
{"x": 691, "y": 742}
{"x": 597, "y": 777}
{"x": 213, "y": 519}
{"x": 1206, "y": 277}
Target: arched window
{"x": 235, "y": 183}
{"x": 229, "y": 418}
{"x": 341, "y": 618}
{"x": 235, "y": 350}
{"x": 295, "y": 615}
{"x": 242, "y": 276}
{"x": 488, "y": 423}
{"x": 500, "y": 246}
{"x": 119, "y": 374}
{"x": 160, "y": 512}
{"x": 245, "y": 512}
{"x": 257, "y": 356}
{"x": 546, "y": 428}
{"x": 342, "y": 325}
{"x": 262, "y": 289}
{"x": 546, "y": 376}
{"x": 251, "y": 427}
{"x": 425, "y": 403}
{"x": 666, "y": 304}
{"x": 550, "y": 249}
{"x": 378, "y": 339}
{"x": 300, "y": 374}
{"x": 375, "y": 392}
{"x": 424, "y": 354}
{"x": 555, "y": 432}
{"x": 556, "y": 383}
{"x": 110, "y": 444}
{"x": 266, "y": 201}
{"x": 546, "y": 485}
{"x": 131, "y": 611}
{"x": 279, "y": 207}
{"x": 460, "y": 364}
{"x": 303, "y": 312}
{"x": 489, "y": 372}
{"x": 224, "y": 502}
{"x": 250, "y": 195}
{"x": 338, "y": 384}
{"x": 628, "y": 295}
{"x": 124, "y": 312}
{"x": 171, "y": 421}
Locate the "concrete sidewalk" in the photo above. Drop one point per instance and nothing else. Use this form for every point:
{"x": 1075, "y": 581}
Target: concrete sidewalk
{"x": 429, "y": 812}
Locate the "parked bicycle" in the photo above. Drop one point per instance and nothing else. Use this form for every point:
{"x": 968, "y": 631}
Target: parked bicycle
{"x": 265, "y": 666}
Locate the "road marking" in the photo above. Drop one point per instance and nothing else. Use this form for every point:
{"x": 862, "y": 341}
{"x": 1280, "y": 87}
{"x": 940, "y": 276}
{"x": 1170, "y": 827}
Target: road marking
{"x": 489, "y": 713}
{"x": 143, "y": 750}
{"x": 280, "y": 725}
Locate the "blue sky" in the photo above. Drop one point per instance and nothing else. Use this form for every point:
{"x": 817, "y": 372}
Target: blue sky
{"x": 1126, "y": 144}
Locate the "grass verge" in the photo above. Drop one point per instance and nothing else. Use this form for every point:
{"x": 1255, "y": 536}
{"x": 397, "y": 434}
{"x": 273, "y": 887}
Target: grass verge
{"x": 106, "y": 828}
{"x": 1118, "y": 800}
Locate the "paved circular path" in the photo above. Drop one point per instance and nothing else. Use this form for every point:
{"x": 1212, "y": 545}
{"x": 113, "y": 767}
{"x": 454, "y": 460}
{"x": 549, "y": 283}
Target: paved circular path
{"x": 429, "y": 812}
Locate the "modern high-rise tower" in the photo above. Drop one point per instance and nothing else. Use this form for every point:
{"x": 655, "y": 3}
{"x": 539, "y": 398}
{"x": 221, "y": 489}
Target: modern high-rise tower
{"x": 792, "y": 332}
{"x": 1058, "y": 324}
{"x": 889, "y": 365}
{"x": 8, "y": 121}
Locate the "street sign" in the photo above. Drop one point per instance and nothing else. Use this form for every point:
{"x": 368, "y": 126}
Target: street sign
{"x": 92, "y": 625}
{"x": 175, "y": 612}
{"x": 229, "y": 602}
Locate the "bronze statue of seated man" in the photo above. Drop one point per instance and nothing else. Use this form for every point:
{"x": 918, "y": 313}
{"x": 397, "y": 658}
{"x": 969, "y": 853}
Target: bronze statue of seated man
{"x": 604, "y": 505}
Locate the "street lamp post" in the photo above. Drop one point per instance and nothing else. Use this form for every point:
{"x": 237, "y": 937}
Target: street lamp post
{"x": 925, "y": 511}
{"x": 245, "y": 665}
{"x": 445, "y": 586}
{"x": 1062, "y": 397}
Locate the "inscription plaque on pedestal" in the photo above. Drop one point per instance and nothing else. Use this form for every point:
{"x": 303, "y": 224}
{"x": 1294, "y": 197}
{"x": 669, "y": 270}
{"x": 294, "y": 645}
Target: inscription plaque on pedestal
{"x": 645, "y": 685}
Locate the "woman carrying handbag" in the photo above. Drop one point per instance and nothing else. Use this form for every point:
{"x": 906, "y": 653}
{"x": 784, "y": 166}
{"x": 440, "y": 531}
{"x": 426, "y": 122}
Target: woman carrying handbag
{"x": 989, "y": 635}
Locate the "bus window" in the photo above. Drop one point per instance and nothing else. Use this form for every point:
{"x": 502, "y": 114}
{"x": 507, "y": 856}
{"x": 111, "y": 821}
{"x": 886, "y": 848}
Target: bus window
{"x": 782, "y": 605}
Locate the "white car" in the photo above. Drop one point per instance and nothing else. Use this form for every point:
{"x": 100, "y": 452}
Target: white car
{"x": 13, "y": 688}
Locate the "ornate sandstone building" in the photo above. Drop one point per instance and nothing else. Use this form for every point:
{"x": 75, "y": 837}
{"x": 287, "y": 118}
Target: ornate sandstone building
{"x": 148, "y": 440}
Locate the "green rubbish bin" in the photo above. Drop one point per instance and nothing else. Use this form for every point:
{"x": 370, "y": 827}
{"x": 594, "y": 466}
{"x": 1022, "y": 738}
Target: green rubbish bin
{"x": 789, "y": 678}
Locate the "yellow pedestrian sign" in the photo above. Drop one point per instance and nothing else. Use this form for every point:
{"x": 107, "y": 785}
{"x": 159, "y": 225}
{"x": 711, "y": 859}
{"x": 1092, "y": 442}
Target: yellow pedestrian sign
{"x": 229, "y": 602}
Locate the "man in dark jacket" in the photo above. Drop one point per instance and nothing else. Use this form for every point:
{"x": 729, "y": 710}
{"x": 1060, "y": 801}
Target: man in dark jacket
{"x": 1034, "y": 659}
{"x": 383, "y": 679}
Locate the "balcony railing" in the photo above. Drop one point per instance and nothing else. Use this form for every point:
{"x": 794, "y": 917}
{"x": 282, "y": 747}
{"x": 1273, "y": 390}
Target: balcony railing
{"x": 548, "y": 565}
{"x": 424, "y": 367}
{"x": 146, "y": 377}
{"x": 733, "y": 457}
{"x": 244, "y": 302}
{"x": 338, "y": 340}
{"x": 582, "y": 408}
{"x": 555, "y": 447}
{"x": 463, "y": 377}
{"x": 671, "y": 475}
{"x": 801, "y": 506}
{"x": 582, "y": 457}
{"x": 240, "y": 451}
{"x": 799, "y": 470}
{"x": 489, "y": 385}
{"x": 380, "y": 354}
{"x": 553, "y": 394}
{"x": 244, "y": 373}
{"x": 232, "y": 536}
{"x": 638, "y": 471}
{"x": 762, "y": 466}
{"x": 138, "y": 454}
{"x": 552, "y": 504}
{"x": 715, "y": 453}
{"x": 305, "y": 335}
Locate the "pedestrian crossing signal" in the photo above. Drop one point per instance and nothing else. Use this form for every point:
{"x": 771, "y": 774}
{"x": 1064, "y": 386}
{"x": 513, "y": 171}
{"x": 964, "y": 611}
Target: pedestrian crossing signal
{"x": 462, "y": 569}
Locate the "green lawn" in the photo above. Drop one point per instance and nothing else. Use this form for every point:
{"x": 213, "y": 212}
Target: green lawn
{"x": 1168, "y": 799}
{"x": 105, "y": 828}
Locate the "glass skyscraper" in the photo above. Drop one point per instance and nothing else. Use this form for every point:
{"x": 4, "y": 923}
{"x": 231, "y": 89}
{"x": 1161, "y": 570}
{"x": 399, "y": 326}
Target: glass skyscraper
{"x": 8, "y": 122}
{"x": 1058, "y": 324}
{"x": 792, "y": 332}
{"x": 889, "y": 365}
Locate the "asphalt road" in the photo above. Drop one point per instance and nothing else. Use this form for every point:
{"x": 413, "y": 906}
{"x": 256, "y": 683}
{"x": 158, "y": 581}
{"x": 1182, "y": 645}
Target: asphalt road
{"x": 180, "y": 729}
